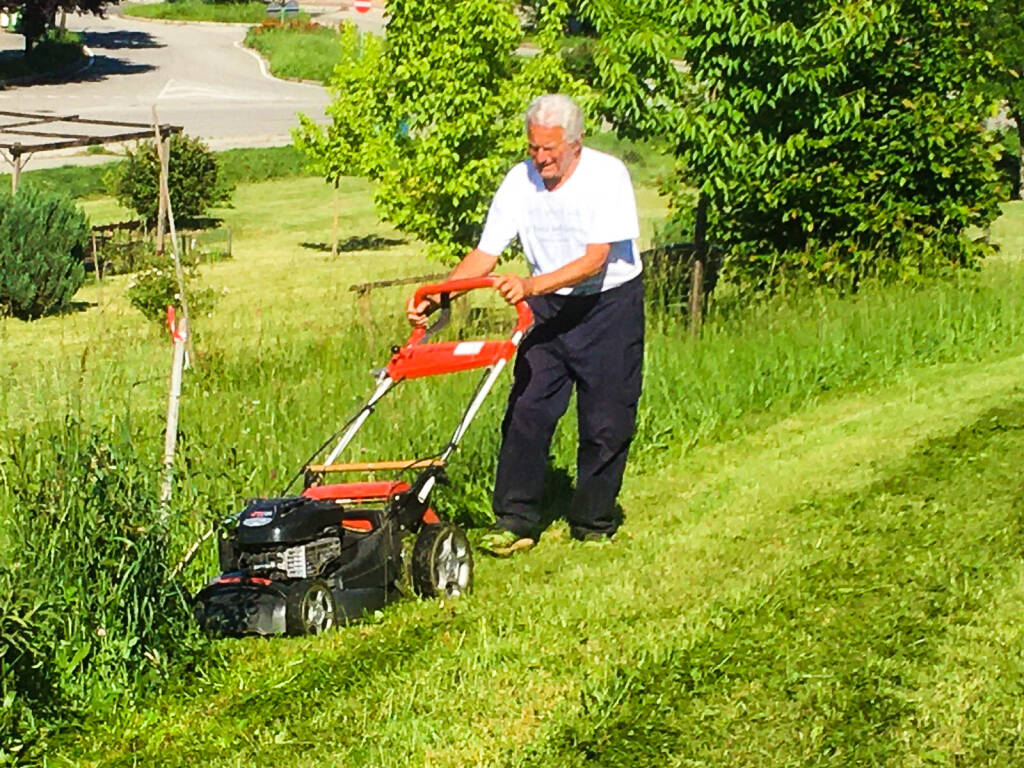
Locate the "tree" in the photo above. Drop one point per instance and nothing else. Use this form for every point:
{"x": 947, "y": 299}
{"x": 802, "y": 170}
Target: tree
{"x": 337, "y": 149}
{"x": 1002, "y": 33}
{"x": 38, "y": 16}
{"x": 831, "y": 142}
{"x": 437, "y": 119}
{"x": 42, "y": 245}
{"x": 194, "y": 180}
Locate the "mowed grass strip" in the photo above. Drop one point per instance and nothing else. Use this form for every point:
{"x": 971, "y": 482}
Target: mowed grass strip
{"x": 790, "y": 597}
{"x": 871, "y": 651}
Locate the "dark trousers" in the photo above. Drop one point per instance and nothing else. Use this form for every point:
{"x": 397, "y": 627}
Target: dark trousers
{"x": 597, "y": 344}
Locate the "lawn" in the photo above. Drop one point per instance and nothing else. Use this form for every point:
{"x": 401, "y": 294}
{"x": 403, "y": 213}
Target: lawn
{"x": 196, "y": 10}
{"x": 832, "y": 589}
{"x": 820, "y": 562}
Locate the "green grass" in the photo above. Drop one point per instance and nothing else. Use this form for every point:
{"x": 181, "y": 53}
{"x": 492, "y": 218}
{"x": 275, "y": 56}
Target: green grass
{"x": 808, "y": 458}
{"x": 196, "y": 10}
{"x": 50, "y": 55}
{"x": 297, "y": 50}
{"x": 237, "y": 165}
{"x": 249, "y": 165}
{"x": 829, "y": 590}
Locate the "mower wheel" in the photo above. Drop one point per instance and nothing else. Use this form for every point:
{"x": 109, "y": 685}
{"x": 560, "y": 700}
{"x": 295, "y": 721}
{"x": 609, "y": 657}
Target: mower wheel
{"x": 310, "y": 608}
{"x": 442, "y": 563}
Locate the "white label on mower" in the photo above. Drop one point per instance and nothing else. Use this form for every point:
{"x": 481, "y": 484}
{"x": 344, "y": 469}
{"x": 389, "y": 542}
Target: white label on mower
{"x": 255, "y": 522}
{"x": 468, "y": 348}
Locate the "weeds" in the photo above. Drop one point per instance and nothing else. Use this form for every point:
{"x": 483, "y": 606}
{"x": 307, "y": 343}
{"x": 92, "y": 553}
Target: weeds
{"x": 297, "y": 49}
{"x": 94, "y": 619}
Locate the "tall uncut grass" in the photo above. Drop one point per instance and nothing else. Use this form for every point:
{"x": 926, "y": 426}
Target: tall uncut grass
{"x": 81, "y": 549}
{"x": 297, "y": 49}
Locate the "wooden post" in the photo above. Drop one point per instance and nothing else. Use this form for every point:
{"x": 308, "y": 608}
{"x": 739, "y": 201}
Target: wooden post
{"x": 334, "y": 224}
{"x": 163, "y": 147}
{"x": 179, "y": 335}
{"x": 700, "y": 253}
{"x": 16, "y": 172}
{"x": 96, "y": 258}
{"x": 161, "y": 213}
{"x": 164, "y": 154}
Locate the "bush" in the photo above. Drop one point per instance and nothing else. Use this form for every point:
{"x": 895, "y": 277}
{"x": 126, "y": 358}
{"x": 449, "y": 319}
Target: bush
{"x": 153, "y": 289}
{"x": 194, "y": 180}
{"x": 42, "y": 245}
{"x": 56, "y": 49}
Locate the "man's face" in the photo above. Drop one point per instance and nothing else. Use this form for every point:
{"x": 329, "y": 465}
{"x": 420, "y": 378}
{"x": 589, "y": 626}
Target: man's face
{"x": 552, "y": 156}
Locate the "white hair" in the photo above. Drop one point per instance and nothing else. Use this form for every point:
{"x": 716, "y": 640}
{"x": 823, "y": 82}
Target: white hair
{"x": 556, "y": 110}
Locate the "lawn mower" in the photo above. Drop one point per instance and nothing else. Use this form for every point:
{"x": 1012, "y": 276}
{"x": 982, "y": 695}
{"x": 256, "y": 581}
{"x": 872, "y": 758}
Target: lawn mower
{"x": 302, "y": 564}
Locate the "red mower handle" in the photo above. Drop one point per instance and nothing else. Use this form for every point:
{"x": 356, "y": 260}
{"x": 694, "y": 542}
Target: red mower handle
{"x": 469, "y": 284}
{"x": 418, "y": 358}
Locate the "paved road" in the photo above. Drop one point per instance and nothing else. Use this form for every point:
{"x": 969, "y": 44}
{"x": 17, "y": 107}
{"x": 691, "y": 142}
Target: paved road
{"x": 197, "y": 75}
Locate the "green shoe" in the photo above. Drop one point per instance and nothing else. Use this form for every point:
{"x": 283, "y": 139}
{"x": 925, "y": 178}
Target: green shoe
{"x": 503, "y": 543}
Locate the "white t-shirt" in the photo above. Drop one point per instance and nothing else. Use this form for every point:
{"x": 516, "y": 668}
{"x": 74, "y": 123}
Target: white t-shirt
{"x": 594, "y": 205}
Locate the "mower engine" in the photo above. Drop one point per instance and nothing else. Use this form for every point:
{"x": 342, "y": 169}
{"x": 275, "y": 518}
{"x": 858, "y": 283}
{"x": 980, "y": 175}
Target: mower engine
{"x": 300, "y": 565}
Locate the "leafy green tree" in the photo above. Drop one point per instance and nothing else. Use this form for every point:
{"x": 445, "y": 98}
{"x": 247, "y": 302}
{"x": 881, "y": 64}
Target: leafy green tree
{"x": 833, "y": 142}
{"x": 439, "y": 120}
{"x": 37, "y": 16}
{"x": 336, "y": 150}
{"x": 1002, "y": 33}
{"x": 42, "y": 245}
{"x": 194, "y": 180}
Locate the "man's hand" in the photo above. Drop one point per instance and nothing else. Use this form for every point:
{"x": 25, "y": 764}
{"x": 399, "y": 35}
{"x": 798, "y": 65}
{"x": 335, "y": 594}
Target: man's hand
{"x": 513, "y": 288}
{"x": 417, "y": 311}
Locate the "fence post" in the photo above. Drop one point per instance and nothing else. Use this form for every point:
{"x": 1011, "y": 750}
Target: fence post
{"x": 16, "y": 168}
{"x": 334, "y": 223}
{"x": 700, "y": 253}
{"x": 95, "y": 257}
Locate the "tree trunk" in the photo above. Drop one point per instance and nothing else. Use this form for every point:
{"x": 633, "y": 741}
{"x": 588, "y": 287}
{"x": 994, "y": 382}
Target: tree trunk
{"x": 700, "y": 255}
{"x": 34, "y": 22}
{"x": 1018, "y": 118}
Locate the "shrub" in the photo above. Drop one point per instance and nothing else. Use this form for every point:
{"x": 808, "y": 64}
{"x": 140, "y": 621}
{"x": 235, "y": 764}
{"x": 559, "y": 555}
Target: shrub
{"x": 835, "y": 144}
{"x": 152, "y": 289}
{"x": 194, "y": 179}
{"x": 42, "y": 244}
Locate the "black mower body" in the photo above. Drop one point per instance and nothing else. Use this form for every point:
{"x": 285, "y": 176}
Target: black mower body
{"x": 281, "y": 546}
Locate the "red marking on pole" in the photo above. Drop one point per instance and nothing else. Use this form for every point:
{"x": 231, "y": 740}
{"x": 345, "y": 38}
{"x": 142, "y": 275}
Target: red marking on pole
{"x": 176, "y": 331}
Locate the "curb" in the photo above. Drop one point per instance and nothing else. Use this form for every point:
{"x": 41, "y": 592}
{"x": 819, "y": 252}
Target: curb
{"x": 265, "y": 68}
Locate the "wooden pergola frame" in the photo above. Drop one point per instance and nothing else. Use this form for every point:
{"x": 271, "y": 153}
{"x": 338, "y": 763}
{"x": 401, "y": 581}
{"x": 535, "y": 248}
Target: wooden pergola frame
{"x": 29, "y": 125}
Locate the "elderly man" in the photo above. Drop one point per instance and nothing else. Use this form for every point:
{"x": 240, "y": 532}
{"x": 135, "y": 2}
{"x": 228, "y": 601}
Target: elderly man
{"x": 574, "y": 212}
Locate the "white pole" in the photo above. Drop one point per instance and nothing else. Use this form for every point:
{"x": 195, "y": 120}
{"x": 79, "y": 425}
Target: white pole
{"x": 178, "y": 334}
{"x": 163, "y": 149}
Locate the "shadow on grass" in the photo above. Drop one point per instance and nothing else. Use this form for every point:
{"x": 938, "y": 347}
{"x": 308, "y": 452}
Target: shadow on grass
{"x": 558, "y": 491}
{"x": 356, "y": 243}
{"x": 838, "y": 656}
